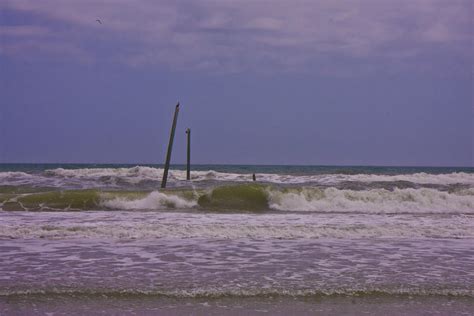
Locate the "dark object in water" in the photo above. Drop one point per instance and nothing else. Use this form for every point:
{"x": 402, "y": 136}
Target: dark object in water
{"x": 188, "y": 156}
{"x": 254, "y": 177}
{"x": 170, "y": 147}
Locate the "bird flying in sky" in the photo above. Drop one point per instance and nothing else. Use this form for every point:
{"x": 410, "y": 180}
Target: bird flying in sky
{"x": 100, "y": 22}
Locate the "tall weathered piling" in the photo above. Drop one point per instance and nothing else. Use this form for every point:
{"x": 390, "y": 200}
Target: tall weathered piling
{"x": 188, "y": 160}
{"x": 170, "y": 147}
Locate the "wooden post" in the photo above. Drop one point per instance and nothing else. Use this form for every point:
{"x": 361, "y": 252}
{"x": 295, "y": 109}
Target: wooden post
{"x": 188, "y": 166}
{"x": 170, "y": 147}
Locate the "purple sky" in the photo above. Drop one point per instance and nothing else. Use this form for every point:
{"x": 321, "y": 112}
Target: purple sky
{"x": 260, "y": 82}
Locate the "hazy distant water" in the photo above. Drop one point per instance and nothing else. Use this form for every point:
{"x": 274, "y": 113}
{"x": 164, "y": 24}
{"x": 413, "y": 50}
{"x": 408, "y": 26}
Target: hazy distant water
{"x": 328, "y": 239}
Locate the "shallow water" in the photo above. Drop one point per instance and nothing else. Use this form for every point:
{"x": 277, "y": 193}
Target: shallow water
{"x": 238, "y": 267}
{"x": 277, "y": 305}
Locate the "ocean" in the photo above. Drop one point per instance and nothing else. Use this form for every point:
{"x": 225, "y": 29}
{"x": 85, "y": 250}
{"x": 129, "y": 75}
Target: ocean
{"x": 328, "y": 240}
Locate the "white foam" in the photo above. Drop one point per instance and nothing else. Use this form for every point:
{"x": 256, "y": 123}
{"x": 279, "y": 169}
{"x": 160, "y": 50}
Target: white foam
{"x": 327, "y": 200}
{"x": 17, "y": 178}
{"x": 142, "y": 225}
{"x": 138, "y": 174}
{"x": 421, "y": 178}
{"x": 373, "y": 201}
{"x": 13, "y": 174}
{"x": 240, "y": 291}
{"x": 154, "y": 200}
{"x": 95, "y": 173}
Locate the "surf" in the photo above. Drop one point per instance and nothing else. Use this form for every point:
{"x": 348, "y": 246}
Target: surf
{"x": 246, "y": 198}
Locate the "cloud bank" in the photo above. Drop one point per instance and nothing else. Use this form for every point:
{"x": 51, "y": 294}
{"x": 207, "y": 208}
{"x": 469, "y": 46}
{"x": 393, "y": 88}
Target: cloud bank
{"x": 245, "y": 35}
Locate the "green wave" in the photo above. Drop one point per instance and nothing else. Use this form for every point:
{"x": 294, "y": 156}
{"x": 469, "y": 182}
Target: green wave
{"x": 236, "y": 197}
{"x": 56, "y": 200}
{"x": 224, "y": 198}
{"x": 244, "y": 197}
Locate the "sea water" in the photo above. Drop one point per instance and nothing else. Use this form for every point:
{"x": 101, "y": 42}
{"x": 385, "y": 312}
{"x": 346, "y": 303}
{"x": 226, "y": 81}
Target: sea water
{"x": 97, "y": 239}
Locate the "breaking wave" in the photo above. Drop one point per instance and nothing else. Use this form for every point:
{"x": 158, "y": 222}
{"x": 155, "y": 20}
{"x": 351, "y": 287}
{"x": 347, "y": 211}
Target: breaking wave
{"x": 252, "y": 197}
{"x": 137, "y": 174}
{"x": 150, "y": 177}
{"x": 154, "y": 200}
{"x": 373, "y": 201}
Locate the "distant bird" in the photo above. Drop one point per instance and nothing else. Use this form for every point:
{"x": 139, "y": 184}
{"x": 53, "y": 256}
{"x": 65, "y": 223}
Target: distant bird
{"x": 100, "y": 22}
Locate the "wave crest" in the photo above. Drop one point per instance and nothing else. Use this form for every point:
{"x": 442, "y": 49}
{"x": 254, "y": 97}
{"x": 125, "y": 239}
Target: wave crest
{"x": 154, "y": 200}
{"x": 372, "y": 201}
{"x": 252, "y": 197}
{"x": 150, "y": 177}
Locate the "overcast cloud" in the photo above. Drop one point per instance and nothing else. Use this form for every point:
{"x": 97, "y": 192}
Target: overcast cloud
{"x": 235, "y": 36}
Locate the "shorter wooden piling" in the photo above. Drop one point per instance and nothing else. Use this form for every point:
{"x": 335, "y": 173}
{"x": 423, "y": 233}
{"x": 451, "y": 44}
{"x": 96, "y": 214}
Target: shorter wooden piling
{"x": 188, "y": 165}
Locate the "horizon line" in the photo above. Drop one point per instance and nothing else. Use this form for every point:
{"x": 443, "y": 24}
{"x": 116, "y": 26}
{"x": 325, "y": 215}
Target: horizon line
{"x": 233, "y": 164}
